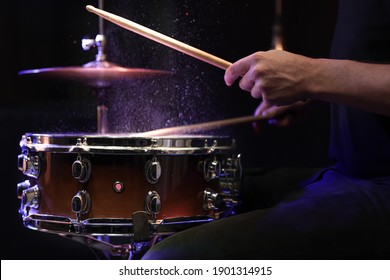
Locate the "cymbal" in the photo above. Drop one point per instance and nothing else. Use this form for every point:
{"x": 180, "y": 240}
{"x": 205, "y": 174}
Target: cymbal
{"x": 95, "y": 73}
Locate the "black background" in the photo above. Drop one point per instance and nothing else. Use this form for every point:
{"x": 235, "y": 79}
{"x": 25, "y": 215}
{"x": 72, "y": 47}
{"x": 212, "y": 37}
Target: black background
{"x": 43, "y": 33}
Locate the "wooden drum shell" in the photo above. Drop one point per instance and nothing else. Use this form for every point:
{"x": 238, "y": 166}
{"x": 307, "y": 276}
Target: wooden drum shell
{"x": 188, "y": 167}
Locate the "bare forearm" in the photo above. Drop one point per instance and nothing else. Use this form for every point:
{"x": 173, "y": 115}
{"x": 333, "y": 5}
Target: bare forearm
{"x": 362, "y": 85}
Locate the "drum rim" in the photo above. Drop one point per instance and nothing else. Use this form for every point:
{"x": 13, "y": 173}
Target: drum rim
{"x": 109, "y": 226}
{"x": 125, "y": 143}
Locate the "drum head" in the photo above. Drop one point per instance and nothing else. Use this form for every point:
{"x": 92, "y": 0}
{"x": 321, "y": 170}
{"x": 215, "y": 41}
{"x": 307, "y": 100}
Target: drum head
{"x": 126, "y": 143}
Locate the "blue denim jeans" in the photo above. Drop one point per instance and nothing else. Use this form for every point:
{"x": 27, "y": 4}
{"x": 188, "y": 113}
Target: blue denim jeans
{"x": 328, "y": 216}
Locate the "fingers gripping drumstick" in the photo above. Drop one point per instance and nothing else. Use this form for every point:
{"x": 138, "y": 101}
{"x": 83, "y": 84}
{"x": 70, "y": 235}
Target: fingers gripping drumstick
{"x": 160, "y": 38}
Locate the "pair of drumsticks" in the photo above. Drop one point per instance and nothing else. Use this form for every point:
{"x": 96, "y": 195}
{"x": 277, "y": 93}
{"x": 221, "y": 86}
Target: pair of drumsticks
{"x": 184, "y": 48}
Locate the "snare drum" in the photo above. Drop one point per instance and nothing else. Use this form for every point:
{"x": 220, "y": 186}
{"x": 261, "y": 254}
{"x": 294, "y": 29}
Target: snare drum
{"x": 125, "y": 185}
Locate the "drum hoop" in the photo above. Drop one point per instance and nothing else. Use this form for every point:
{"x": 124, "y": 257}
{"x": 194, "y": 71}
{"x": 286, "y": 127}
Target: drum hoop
{"x": 126, "y": 144}
{"x": 108, "y": 226}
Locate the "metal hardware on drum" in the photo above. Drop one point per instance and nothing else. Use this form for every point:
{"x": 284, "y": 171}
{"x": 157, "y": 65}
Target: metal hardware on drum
{"x": 20, "y": 187}
{"x": 81, "y": 203}
{"x": 87, "y": 187}
{"x": 212, "y": 200}
{"x": 29, "y": 165}
{"x": 30, "y": 200}
{"x": 211, "y": 169}
{"x": 153, "y": 203}
{"x": 81, "y": 169}
{"x": 229, "y": 173}
{"x": 152, "y": 171}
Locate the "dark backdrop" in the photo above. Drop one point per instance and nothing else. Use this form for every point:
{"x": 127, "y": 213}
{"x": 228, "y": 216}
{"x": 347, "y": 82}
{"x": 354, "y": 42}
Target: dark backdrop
{"x": 40, "y": 34}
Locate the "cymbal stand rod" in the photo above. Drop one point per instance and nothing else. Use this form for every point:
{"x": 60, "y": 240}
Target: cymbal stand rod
{"x": 102, "y": 120}
{"x": 101, "y": 23}
{"x": 102, "y": 109}
{"x": 102, "y": 112}
{"x": 100, "y": 39}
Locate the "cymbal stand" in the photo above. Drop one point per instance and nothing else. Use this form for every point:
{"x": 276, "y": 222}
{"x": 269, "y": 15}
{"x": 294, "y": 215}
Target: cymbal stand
{"x": 100, "y": 43}
{"x": 102, "y": 111}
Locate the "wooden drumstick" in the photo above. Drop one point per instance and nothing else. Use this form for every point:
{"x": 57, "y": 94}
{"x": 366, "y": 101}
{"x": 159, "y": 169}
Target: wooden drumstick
{"x": 200, "y": 126}
{"x": 160, "y": 38}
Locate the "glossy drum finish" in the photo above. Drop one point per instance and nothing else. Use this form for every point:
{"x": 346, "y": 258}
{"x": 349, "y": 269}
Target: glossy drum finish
{"x": 77, "y": 180}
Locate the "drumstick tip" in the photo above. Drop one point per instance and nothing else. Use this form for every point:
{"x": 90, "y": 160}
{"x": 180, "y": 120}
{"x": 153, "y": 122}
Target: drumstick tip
{"x": 90, "y": 8}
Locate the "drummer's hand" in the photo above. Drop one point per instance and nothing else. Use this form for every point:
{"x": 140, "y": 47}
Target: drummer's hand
{"x": 278, "y": 77}
{"x": 280, "y": 116}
